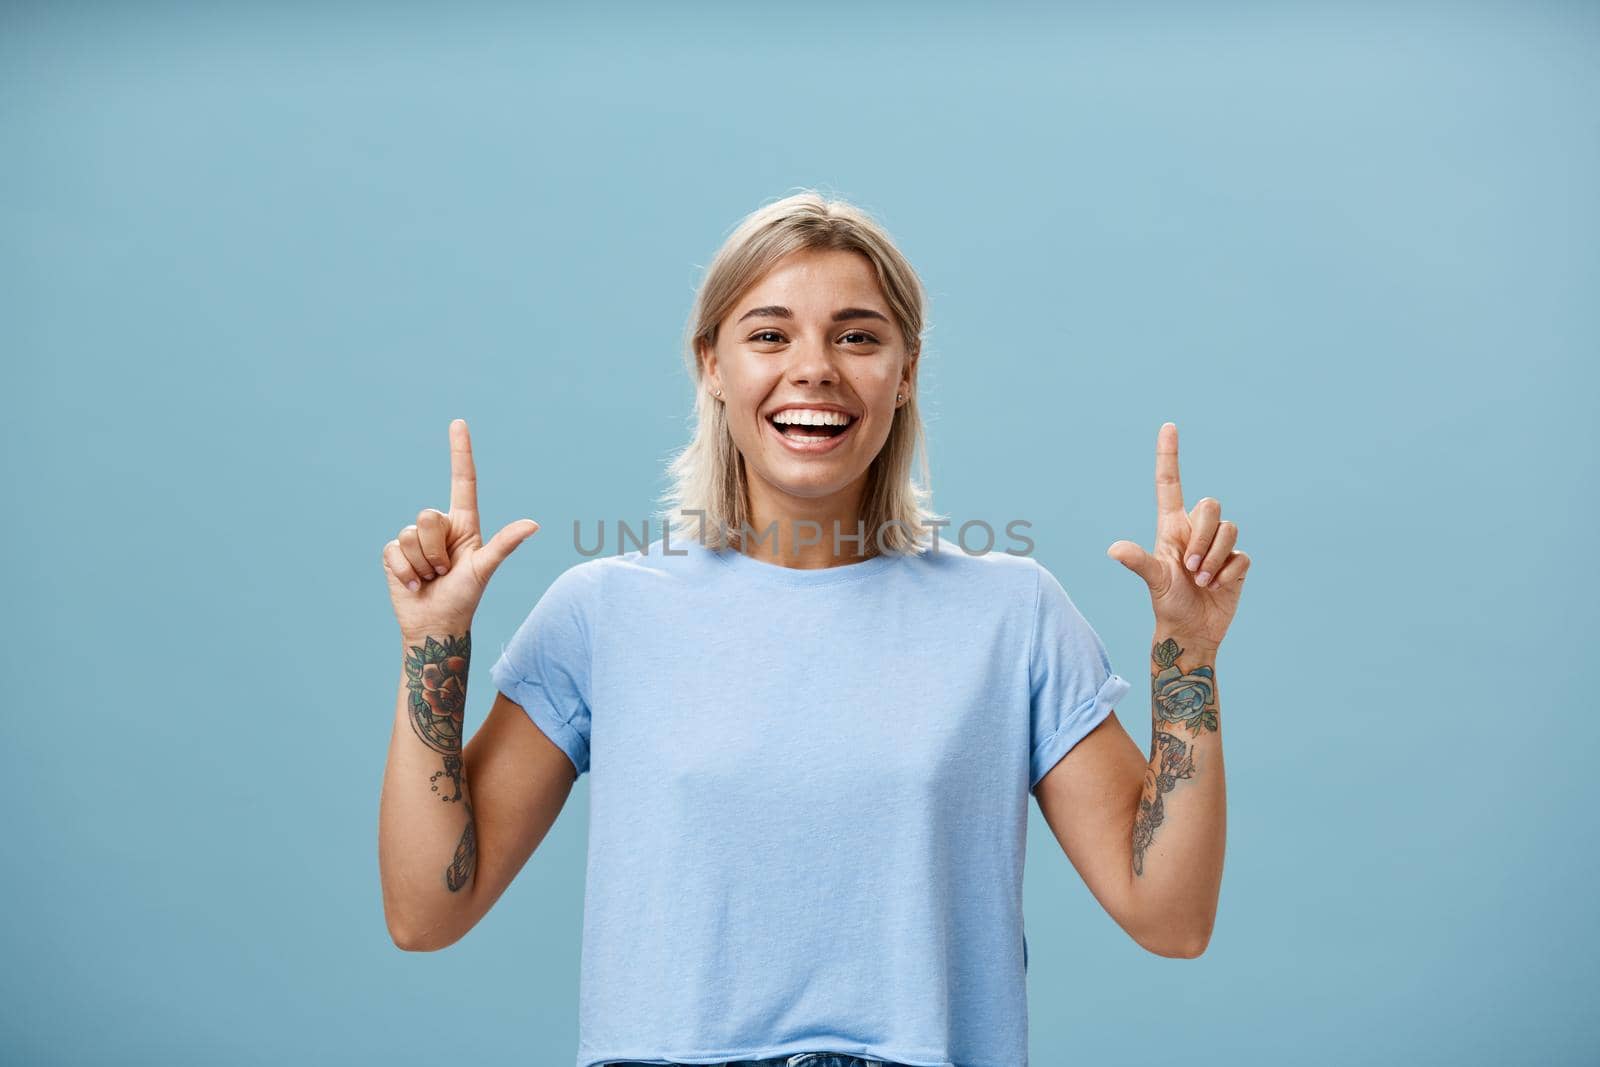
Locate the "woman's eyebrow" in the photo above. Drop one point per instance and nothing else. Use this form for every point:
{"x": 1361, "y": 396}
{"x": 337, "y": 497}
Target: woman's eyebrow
{"x": 778, "y": 311}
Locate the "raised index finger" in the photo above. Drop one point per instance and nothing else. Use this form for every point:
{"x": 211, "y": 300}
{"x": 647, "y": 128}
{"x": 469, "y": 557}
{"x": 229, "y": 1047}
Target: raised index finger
{"x": 1169, "y": 491}
{"x": 463, "y": 475}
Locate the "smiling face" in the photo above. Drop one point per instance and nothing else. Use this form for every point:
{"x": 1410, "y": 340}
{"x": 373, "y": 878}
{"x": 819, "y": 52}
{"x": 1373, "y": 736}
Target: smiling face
{"x": 814, "y": 339}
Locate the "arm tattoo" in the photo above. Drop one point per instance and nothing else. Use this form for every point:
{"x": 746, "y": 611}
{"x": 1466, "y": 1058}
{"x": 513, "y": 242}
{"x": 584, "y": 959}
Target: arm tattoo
{"x": 1176, "y": 762}
{"x": 436, "y": 675}
{"x": 1184, "y": 699}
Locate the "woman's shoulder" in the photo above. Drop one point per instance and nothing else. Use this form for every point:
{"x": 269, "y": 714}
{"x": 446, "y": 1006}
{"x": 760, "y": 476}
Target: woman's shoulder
{"x": 614, "y": 570}
{"x": 955, "y": 575}
{"x": 995, "y": 564}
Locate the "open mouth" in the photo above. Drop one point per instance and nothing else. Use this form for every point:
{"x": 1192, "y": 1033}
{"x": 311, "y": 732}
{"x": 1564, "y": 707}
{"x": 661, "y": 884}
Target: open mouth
{"x": 811, "y": 431}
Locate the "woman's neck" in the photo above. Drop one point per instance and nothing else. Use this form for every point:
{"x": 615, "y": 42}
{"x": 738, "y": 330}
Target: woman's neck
{"x": 809, "y": 534}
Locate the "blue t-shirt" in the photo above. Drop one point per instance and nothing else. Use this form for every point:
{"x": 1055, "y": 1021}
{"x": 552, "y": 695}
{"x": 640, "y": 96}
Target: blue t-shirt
{"x": 808, "y": 794}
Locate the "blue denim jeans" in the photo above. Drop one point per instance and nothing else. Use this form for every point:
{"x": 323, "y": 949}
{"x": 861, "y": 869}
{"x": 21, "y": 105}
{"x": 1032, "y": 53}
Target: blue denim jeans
{"x": 798, "y": 1059}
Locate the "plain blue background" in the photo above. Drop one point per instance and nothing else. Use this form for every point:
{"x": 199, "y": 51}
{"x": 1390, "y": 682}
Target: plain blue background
{"x": 253, "y": 263}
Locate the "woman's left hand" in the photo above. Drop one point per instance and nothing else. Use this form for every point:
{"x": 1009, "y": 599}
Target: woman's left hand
{"x": 1195, "y": 575}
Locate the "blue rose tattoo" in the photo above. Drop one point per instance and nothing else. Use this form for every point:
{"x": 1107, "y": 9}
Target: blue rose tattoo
{"x": 1187, "y": 699}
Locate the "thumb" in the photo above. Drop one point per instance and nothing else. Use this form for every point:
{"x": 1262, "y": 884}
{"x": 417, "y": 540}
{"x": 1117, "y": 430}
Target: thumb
{"x": 504, "y": 543}
{"x": 1136, "y": 560}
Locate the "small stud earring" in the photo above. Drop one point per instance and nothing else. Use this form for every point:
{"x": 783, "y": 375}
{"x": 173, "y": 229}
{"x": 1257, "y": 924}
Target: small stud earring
{"x": 717, "y": 394}
{"x": 898, "y": 398}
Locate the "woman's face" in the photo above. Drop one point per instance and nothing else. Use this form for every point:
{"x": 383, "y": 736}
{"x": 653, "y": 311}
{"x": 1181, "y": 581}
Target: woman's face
{"x": 814, "y": 333}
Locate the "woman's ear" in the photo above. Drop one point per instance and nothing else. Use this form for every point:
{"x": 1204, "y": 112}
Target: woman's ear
{"x": 908, "y": 376}
{"x": 708, "y": 367}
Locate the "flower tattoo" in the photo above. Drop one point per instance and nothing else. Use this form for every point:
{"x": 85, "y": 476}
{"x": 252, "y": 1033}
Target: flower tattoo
{"x": 1187, "y": 699}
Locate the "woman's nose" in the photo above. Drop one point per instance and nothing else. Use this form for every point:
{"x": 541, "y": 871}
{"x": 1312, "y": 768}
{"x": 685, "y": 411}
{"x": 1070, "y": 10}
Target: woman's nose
{"x": 811, "y": 363}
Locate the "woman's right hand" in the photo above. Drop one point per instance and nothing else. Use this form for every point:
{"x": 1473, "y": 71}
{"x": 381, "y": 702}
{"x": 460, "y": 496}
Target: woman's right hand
{"x": 438, "y": 567}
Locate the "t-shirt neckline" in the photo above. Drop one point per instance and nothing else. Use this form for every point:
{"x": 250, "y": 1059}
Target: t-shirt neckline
{"x": 777, "y": 574}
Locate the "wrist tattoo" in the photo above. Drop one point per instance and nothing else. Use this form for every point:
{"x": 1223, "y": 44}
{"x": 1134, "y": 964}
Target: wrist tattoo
{"x": 1186, "y": 698}
{"x": 436, "y": 675}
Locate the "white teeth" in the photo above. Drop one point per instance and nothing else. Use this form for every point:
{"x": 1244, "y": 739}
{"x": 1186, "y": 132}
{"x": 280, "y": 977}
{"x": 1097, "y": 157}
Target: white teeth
{"x": 811, "y": 417}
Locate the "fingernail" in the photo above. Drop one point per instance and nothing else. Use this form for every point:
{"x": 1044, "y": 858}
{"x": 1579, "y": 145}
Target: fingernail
{"x": 413, "y": 585}
{"x": 1205, "y": 576}
{"x": 444, "y": 570}
{"x": 1194, "y": 561}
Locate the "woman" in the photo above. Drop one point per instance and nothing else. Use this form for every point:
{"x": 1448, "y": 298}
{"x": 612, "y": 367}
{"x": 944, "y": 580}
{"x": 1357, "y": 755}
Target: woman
{"x": 812, "y": 729}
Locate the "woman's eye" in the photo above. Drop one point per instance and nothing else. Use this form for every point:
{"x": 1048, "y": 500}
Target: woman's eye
{"x": 866, "y": 338}
{"x": 765, "y": 334}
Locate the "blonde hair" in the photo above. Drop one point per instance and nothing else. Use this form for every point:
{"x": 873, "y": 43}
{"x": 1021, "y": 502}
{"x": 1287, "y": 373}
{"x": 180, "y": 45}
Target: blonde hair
{"x": 708, "y": 474}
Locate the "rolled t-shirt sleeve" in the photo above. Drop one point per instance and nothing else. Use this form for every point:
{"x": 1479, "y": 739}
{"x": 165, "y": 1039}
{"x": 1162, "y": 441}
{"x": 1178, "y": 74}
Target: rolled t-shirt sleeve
{"x": 1072, "y": 687}
{"x": 545, "y": 665}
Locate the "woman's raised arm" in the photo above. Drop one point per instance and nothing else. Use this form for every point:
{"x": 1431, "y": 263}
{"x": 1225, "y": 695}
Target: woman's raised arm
{"x": 428, "y": 835}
